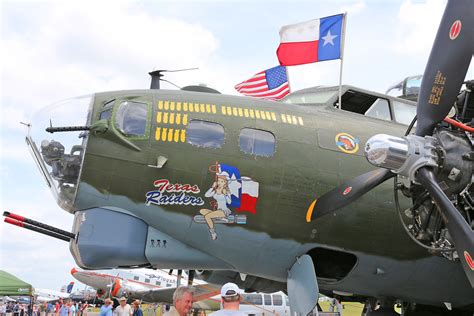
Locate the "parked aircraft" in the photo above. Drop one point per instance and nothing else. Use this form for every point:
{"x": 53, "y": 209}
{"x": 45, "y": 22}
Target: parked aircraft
{"x": 46, "y": 295}
{"x": 237, "y": 188}
{"x": 155, "y": 286}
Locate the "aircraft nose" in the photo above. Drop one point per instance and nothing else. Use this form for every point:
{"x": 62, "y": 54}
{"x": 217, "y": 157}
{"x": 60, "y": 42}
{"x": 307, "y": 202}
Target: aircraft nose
{"x": 73, "y": 271}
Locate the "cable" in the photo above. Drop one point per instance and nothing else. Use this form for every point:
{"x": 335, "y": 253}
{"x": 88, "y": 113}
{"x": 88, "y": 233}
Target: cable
{"x": 459, "y": 125}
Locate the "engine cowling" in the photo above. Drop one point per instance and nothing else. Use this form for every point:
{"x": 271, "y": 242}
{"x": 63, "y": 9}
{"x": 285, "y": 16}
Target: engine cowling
{"x": 117, "y": 289}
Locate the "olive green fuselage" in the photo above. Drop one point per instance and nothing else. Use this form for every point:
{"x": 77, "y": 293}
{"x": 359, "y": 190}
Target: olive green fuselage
{"x": 308, "y": 161}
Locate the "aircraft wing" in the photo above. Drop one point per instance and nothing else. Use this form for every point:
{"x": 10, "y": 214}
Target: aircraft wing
{"x": 202, "y": 295}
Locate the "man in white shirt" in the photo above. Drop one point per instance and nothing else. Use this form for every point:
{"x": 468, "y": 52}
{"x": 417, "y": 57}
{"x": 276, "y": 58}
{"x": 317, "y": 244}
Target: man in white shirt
{"x": 182, "y": 302}
{"x": 230, "y": 298}
{"x": 123, "y": 309}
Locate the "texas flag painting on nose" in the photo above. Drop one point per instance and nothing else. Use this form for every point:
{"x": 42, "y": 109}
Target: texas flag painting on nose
{"x": 311, "y": 41}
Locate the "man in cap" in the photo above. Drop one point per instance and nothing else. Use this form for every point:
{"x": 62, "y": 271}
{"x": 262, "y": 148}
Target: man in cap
{"x": 123, "y": 309}
{"x": 182, "y": 302}
{"x": 230, "y": 298}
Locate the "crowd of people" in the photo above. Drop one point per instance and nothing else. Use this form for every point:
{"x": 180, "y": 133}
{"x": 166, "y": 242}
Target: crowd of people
{"x": 182, "y": 306}
{"x": 59, "y": 308}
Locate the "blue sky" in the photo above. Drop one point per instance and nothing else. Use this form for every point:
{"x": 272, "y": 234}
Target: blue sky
{"x": 57, "y": 50}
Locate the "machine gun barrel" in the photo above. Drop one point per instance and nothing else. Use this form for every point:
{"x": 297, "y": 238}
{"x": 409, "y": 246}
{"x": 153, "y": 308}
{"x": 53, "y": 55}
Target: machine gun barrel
{"x": 67, "y": 129}
{"x": 30, "y": 224}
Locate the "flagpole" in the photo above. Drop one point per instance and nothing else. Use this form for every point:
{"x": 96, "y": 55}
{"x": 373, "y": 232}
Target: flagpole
{"x": 342, "y": 59}
{"x": 288, "y": 77}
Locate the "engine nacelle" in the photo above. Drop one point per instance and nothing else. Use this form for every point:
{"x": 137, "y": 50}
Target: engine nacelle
{"x": 117, "y": 289}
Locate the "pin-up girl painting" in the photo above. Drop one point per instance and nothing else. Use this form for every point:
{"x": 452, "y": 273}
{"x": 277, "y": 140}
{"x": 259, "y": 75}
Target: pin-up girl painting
{"x": 221, "y": 194}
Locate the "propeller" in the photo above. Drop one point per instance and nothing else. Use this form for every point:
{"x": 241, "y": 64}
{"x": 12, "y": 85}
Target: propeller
{"x": 347, "y": 193}
{"x": 415, "y": 155}
{"x": 442, "y": 79}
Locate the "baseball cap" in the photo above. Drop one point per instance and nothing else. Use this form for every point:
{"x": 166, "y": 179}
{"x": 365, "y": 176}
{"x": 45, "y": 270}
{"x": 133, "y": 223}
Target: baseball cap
{"x": 229, "y": 290}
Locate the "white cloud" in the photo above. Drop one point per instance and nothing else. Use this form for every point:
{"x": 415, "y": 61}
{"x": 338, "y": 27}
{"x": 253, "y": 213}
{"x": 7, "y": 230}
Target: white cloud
{"x": 354, "y": 8}
{"x": 15, "y": 151}
{"x": 78, "y": 49}
{"x": 418, "y": 23}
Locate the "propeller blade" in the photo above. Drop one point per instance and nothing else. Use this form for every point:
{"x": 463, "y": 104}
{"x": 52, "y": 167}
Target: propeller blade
{"x": 447, "y": 65}
{"x": 459, "y": 229}
{"x": 347, "y": 193}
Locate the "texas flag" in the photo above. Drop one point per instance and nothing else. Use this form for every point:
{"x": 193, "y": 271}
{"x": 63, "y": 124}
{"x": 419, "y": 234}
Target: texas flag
{"x": 248, "y": 199}
{"x": 243, "y": 190}
{"x": 233, "y": 182}
{"x": 311, "y": 41}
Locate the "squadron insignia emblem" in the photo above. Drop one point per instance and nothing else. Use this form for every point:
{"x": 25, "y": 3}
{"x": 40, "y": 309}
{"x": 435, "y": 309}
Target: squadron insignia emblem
{"x": 347, "y": 143}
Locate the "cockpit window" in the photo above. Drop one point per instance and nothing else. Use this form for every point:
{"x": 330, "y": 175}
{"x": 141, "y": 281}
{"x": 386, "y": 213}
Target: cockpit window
{"x": 105, "y": 115}
{"x": 107, "y": 110}
{"x": 205, "y": 134}
{"x": 379, "y": 109}
{"x": 310, "y": 97}
{"x": 366, "y": 104}
{"x": 131, "y": 118}
{"x": 257, "y": 142}
{"x": 404, "y": 113}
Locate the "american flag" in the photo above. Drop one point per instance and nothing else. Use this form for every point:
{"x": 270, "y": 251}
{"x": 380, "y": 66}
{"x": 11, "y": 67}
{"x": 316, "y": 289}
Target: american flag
{"x": 271, "y": 84}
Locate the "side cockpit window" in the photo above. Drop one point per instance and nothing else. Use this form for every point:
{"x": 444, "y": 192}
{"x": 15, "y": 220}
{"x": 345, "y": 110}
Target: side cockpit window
{"x": 131, "y": 118}
{"x": 205, "y": 134}
{"x": 107, "y": 110}
{"x": 257, "y": 142}
{"x": 379, "y": 109}
{"x": 106, "y": 114}
{"x": 404, "y": 113}
{"x": 366, "y": 104}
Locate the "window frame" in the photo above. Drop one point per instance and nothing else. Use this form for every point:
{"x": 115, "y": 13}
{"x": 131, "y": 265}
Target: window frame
{"x": 279, "y": 299}
{"x": 395, "y": 104}
{"x": 390, "y": 112}
{"x": 205, "y": 121}
{"x": 116, "y": 107}
{"x": 260, "y": 130}
{"x": 252, "y": 299}
{"x": 107, "y": 106}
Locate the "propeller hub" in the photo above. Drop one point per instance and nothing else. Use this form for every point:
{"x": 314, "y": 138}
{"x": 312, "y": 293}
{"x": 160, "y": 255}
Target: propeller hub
{"x": 403, "y": 156}
{"x": 387, "y": 151}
